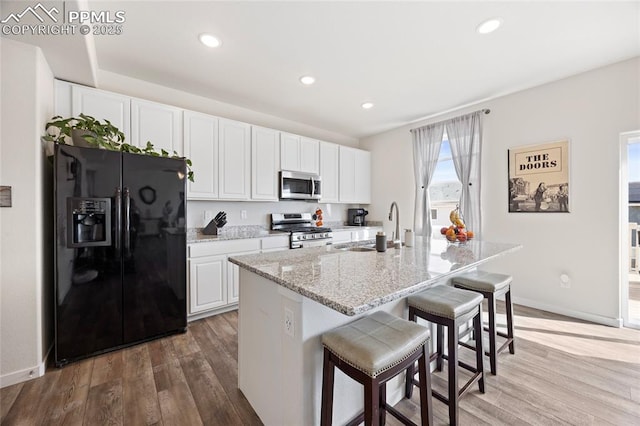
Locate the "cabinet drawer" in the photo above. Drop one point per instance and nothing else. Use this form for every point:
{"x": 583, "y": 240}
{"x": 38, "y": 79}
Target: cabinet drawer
{"x": 223, "y": 247}
{"x": 279, "y": 242}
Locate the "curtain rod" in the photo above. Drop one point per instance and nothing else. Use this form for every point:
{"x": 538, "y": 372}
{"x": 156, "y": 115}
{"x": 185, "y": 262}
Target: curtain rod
{"x": 485, "y": 110}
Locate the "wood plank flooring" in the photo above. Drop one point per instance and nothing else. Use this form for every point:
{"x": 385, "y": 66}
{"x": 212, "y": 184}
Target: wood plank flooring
{"x": 564, "y": 372}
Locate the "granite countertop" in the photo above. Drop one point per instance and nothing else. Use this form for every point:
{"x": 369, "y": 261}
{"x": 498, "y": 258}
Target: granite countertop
{"x": 353, "y": 282}
{"x": 195, "y": 235}
{"x": 232, "y": 233}
{"x": 340, "y": 226}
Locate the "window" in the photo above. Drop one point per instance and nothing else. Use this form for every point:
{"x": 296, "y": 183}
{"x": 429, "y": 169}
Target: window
{"x": 445, "y": 189}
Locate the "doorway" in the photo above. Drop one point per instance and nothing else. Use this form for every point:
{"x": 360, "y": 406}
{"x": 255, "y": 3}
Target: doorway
{"x": 630, "y": 228}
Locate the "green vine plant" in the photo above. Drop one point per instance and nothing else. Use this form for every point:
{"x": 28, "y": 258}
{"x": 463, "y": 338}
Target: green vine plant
{"x": 101, "y": 135}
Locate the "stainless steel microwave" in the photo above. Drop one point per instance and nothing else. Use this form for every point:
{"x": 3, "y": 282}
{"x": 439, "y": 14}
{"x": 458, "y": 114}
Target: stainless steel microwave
{"x": 300, "y": 186}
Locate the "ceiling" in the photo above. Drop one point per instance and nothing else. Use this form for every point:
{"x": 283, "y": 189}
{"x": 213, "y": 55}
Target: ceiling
{"x": 411, "y": 59}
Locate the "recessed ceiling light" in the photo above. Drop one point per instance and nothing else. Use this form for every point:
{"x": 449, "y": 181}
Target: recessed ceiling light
{"x": 489, "y": 26}
{"x": 367, "y": 105}
{"x": 307, "y": 80}
{"x": 209, "y": 40}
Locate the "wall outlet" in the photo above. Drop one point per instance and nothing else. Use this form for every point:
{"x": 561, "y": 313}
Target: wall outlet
{"x": 243, "y": 214}
{"x": 289, "y": 325}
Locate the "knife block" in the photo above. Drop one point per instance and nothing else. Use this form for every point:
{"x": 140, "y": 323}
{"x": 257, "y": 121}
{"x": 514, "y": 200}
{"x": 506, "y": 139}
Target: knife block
{"x": 211, "y": 228}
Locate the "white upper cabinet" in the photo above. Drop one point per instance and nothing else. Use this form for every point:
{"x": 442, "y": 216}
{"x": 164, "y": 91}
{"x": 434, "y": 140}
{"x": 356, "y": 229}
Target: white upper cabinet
{"x": 234, "y": 139}
{"x": 289, "y": 151}
{"x": 299, "y": 154}
{"x": 157, "y": 123}
{"x": 265, "y": 163}
{"x": 355, "y": 176}
{"x": 201, "y": 147}
{"x": 309, "y": 155}
{"x": 102, "y": 106}
{"x": 329, "y": 171}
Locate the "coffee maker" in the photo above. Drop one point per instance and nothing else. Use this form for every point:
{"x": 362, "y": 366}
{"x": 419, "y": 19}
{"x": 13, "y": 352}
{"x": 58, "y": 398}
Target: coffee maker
{"x": 356, "y": 216}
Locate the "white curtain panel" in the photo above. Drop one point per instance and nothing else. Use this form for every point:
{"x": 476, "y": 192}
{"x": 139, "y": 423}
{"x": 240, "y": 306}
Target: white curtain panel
{"x": 426, "y": 149}
{"x": 465, "y": 138}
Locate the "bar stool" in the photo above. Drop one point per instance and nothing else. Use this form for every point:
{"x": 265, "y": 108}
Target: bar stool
{"x": 491, "y": 286}
{"x": 449, "y": 307}
{"x": 372, "y": 350}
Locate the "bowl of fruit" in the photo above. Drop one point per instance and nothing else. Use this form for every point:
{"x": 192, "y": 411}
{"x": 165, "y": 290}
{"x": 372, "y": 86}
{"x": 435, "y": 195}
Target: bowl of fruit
{"x": 457, "y": 231}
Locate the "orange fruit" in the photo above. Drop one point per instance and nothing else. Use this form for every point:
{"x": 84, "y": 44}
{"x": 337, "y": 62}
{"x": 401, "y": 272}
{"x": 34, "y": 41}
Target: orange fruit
{"x": 469, "y": 234}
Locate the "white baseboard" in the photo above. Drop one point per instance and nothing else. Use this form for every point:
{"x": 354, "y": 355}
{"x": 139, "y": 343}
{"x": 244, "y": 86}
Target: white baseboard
{"x": 26, "y": 374}
{"x": 22, "y": 375}
{"x": 598, "y": 319}
{"x": 213, "y": 312}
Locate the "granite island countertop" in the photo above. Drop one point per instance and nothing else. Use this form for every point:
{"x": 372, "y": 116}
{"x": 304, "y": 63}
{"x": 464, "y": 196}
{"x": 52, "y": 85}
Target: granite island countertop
{"x": 353, "y": 282}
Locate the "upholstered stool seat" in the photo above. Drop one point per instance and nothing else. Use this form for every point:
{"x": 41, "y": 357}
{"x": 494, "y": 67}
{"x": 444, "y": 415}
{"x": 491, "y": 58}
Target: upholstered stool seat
{"x": 492, "y": 285}
{"x": 372, "y": 350}
{"x": 449, "y": 307}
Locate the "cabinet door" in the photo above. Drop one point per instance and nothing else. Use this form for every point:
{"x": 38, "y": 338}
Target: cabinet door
{"x": 347, "y": 191}
{"x": 265, "y": 163}
{"x": 309, "y": 155}
{"x": 234, "y": 139}
{"x": 362, "y": 176}
{"x": 341, "y": 237}
{"x": 156, "y": 123}
{"x": 201, "y": 147}
{"x": 233, "y": 279}
{"x": 102, "y": 106}
{"x": 329, "y": 171}
{"x": 207, "y": 283}
{"x": 289, "y": 152}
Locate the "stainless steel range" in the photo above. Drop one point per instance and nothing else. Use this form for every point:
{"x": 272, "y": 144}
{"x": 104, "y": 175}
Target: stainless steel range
{"x": 303, "y": 232}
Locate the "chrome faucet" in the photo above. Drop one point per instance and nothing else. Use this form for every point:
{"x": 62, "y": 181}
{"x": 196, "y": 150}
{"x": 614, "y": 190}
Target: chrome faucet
{"x": 395, "y": 237}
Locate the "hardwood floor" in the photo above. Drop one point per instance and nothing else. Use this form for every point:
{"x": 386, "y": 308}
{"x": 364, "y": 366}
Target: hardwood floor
{"x": 565, "y": 371}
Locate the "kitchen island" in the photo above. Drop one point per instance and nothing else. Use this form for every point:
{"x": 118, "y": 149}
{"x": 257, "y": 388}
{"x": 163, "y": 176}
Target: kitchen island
{"x": 288, "y": 299}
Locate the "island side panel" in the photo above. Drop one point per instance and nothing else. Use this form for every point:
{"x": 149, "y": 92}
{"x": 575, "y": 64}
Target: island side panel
{"x": 281, "y": 375}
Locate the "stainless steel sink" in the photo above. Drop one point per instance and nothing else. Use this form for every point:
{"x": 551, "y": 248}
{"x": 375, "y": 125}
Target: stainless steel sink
{"x": 360, "y": 248}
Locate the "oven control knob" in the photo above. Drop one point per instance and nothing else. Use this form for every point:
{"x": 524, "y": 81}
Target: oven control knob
{"x": 303, "y": 237}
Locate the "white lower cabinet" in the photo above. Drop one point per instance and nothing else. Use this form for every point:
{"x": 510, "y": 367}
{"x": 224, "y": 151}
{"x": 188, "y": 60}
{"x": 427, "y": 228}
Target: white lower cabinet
{"x": 208, "y": 283}
{"x": 233, "y": 279}
{"x": 214, "y": 282}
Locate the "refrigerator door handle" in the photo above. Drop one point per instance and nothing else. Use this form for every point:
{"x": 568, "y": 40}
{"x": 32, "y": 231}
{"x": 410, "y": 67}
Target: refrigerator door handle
{"x": 118, "y": 221}
{"x": 127, "y": 221}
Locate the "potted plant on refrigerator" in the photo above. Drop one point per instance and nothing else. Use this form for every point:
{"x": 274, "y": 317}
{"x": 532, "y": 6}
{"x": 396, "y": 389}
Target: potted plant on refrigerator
{"x": 87, "y": 131}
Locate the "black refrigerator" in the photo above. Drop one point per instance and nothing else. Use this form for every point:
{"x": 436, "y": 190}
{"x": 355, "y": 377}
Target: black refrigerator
{"x": 120, "y": 250}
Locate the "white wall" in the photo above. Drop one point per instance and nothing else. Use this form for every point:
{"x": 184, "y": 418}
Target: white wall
{"x": 26, "y": 279}
{"x": 591, "y": 109}
{"x": 166, "y": 95}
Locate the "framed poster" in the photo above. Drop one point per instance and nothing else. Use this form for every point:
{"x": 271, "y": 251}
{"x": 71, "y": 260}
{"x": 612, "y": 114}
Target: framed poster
{"x": 539, "y": 178}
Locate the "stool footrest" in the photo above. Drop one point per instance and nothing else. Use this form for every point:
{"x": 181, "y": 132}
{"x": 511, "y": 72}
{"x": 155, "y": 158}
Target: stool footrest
{"x": 504, "y": 345}
{"x": 461, "y": 391}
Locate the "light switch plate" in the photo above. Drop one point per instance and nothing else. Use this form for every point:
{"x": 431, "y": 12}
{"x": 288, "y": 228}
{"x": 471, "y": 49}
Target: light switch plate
{"x": 5, "y": 196}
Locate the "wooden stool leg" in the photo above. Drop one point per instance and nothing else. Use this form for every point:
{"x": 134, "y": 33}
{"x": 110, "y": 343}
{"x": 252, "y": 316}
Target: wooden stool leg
{"x": 452, "y": 365}
{"x": 426, "y": 408}
{"x": 371, "y": 403}
{"x": 509, "y": 309}
{"x": 440, "y": 346}
{"x": 328, "y": 369}
{"x": 382, "y": 402}
{"x": 491, "y": 301}
{"x": 477, "y": 327}
{"x": 408, "y": 384}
